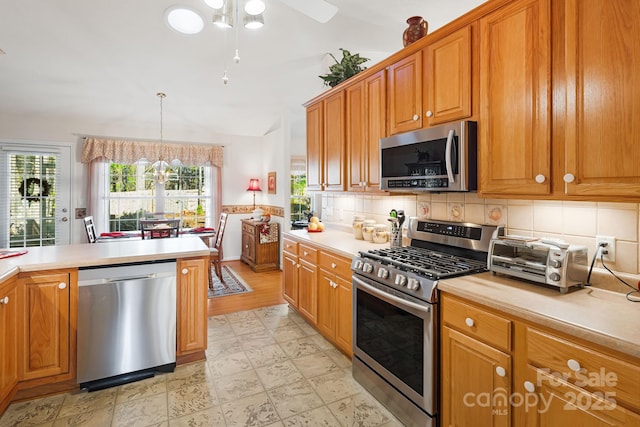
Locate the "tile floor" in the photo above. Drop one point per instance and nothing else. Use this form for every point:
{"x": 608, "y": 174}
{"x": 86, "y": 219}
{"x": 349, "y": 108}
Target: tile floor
{"x": 264, "y": 367}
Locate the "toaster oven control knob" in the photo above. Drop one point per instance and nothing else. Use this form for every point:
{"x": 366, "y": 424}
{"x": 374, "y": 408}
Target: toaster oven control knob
{"x": 383, "y": 273}
{"x": 555, "y": 263}
{"x": 367, "y": 268}
{"x": 401, "y": 279}
{"x": 554, "y": 276}
{"x": 413, "y": 284}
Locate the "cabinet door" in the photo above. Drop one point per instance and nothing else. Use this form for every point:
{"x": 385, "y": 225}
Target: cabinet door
{"x": 308, "y": 291}
{"x": 405, "y": 94}
{"x": 602, "y": 39}
{"x": 9, "y": 341}
{"x": 248, "y": 247}
{"x": 447, "y": 73}
{"x": 334, "y": 142}
{"x": 514, "y": 144}
{"x": 45, "y": 299}
{"x": 376, "y": 127}
{"x": 344, "y": 314}
{"x": 326, "y": 304}
{"x": 356, "y": 136}
{"x": 476, "y": 382}
{"x": 192, "y": 305}
{"x": 290, "y": 277}
{"x": 315, "y": 146}
{"x": 556, "y": 403}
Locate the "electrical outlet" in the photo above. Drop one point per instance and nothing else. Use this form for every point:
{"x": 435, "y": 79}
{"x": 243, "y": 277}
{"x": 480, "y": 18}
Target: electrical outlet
{"x": 610, "y": 248}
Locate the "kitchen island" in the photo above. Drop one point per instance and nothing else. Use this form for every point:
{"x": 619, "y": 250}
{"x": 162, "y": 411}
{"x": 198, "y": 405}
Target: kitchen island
{"x": 39, "y": 308}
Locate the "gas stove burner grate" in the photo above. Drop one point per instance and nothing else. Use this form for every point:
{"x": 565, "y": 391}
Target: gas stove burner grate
{"x": 426, "y": 262}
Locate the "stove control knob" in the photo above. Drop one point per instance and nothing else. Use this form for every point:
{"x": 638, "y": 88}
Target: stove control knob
{"x": 413, "y": 284}
{"x": 367, "y": 268}
{"x": 383, "y": 273}
{"x": 401, "y": 280}
{"x": 358, "y": 265}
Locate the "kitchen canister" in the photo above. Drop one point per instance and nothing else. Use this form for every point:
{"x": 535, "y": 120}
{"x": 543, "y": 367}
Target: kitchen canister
{"x": 358, "y": 223}
{"x": 380, "y": 233}
{"x": 367, "y": 230}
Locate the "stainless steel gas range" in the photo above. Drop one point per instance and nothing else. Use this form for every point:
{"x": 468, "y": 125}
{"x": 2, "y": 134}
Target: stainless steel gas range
{"x": 395, "y": 312}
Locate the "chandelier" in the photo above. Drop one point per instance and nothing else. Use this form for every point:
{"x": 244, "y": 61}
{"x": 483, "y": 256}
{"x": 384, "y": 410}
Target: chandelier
{"x": 160, "y": 167}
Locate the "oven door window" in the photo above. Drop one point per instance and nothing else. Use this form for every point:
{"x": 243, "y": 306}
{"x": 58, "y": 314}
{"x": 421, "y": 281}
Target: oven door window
{"x": 393, "y": 337}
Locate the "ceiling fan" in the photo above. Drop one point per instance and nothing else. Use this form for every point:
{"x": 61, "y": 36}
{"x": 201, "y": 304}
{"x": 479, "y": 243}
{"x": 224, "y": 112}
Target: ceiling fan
{"x": 319, "y": 10}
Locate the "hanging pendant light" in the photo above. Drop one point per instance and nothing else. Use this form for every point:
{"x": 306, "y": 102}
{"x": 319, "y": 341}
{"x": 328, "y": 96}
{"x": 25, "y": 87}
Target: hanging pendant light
{"x": 160, "y": 167}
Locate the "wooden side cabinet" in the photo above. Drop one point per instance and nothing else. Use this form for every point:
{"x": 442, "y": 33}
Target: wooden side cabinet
{"x": 49, "y": 305}
{"x": 192, "y": 303}
{"x": 260, "y": 245}
{"x": 8, "y": 341}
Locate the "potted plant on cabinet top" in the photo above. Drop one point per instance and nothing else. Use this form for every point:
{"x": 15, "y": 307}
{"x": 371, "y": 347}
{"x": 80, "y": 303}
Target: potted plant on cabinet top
{"x": 350, "y": 65}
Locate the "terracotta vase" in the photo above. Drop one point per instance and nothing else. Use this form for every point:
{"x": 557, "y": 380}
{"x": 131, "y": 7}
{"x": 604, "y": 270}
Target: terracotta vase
{"x": 416, "y": 30}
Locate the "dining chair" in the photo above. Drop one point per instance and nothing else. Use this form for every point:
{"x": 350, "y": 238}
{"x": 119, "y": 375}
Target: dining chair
{"x": 90, "y": 228}
{"x": 215, "y": 250}
{"x": 159, "y": 228}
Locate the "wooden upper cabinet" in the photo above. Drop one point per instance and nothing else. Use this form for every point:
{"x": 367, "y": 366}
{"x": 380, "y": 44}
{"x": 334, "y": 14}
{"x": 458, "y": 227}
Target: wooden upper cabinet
{"x": 602, "y": 61}
{"x": 447, "y": 71}
{"x": 365, "y": 125}
{"x": 334, "y": 142}
{"x": 405, "y": 94}
{"x": 315, "y": 137}
{"x": 514, "y": 119}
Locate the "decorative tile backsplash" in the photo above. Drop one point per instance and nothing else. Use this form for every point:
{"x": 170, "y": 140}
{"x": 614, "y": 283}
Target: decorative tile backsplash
{"x": 575, "y": 222}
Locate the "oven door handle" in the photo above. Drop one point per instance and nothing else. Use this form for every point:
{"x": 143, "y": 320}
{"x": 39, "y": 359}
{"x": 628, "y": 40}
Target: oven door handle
{"x": 384, "y": 295}
{"x": 447, "y": 156}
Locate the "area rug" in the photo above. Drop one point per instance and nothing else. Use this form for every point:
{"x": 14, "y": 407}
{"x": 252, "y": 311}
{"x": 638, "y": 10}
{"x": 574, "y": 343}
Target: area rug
{"x": 232, "y": 283}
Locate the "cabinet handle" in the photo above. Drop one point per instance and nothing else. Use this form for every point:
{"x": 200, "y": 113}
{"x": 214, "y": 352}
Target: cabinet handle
{"x": 333, "y": 265}
{"x": 62, "y": 285}
{"x": 529, "y": 386}
{"x": 469, "y": 321}
{"x": 568, "y": 178}
{"x": 429, "y": 113}
{"x": 500, "y": 371}
{"x": 185, "y": 271}
{"x": 540, "y": 178}
{"x": 415, "y": 117}
{"x": 574, "y": 365}
{"x": 4, "y": 300}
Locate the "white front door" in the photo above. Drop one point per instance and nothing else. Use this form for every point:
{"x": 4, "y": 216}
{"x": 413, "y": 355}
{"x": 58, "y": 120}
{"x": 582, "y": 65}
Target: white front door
{"x": 35, "y": 194}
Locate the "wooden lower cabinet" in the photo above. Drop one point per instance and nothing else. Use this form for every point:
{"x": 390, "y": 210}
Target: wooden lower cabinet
{"x": 192, "y": 301}
{"x": 49, "y": 305}
{"x": 8, "y": 341}
{"x": 308, "y": 291}
{"x": 290, "y": 271}
{"x": 540, "y": 378}
{"x": 260, "y": 252}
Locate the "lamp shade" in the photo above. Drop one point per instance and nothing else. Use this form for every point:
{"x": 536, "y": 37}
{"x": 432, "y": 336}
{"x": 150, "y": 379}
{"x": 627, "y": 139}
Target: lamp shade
{"x": 254, "y": 185}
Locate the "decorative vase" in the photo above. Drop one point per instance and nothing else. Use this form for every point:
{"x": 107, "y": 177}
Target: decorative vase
{"x": 416, "y": 30}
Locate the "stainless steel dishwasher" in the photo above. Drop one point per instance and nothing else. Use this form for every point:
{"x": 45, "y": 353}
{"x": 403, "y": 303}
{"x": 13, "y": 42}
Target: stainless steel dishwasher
{"x": 126, "y": 323}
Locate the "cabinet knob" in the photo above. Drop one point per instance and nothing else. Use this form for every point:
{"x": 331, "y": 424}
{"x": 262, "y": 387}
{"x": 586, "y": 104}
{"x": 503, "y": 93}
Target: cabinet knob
{"x": 574, "y": 365}
{"x": 568, "y": 177}
{"x": 246, "y": 246}
{"x": 415, "y": 117}
{"x": 540, "y": 178}
{"x": 185, "y": 271}
{"x": 305, "y": 253}
{"x": 4, "y": 300}
{"x": 429, "y": 113}
{"x": 529, "y": 386}
{"x": 334, "y": 265}
{"x": 469, "y": 321}
{"x": 297, "y": 265}
{"x": 293, "y": 262}
{"x": 288, "y": 246}
{"x": 500, "y": 371}
{"x": 62, "y": 285}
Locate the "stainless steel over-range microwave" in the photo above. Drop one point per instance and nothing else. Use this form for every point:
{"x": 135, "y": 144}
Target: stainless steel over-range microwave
{"x": 442, "y": 158}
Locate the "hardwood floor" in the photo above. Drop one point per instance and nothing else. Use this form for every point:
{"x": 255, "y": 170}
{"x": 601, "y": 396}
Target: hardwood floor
{"x": 267, "y": 290}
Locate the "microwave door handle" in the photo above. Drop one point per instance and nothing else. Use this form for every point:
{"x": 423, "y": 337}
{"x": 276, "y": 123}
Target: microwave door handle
{"x": 447, "y": 156}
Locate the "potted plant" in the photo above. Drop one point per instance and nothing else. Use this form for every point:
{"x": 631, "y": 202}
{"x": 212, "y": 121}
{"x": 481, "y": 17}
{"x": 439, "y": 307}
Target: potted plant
{"x": 350, "y": 65}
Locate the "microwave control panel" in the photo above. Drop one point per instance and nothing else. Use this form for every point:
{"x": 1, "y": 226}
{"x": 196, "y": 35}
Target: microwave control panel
{"x": 418, "y": 183}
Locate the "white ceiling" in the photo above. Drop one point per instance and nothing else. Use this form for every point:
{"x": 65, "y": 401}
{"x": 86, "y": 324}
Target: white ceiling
{"x": 104, "y": 61}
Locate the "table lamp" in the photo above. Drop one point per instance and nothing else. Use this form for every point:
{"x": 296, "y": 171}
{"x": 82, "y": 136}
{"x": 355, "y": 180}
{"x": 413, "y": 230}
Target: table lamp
{"x": 254, "y": 185}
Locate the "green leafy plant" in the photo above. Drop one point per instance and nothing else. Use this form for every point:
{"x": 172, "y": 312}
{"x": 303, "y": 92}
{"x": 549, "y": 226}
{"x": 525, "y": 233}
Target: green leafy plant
{"x": 350, "y": 65}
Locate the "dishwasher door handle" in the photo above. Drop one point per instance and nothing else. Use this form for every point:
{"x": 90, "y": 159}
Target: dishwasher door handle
{"x": 128, "y": 278}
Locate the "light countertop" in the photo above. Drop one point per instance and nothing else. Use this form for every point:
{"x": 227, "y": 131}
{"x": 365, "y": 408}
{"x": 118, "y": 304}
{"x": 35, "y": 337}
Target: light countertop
{"x": 337, "y": 240}
{"x": 116, "y": 252}
{"x": 597, "y": 315}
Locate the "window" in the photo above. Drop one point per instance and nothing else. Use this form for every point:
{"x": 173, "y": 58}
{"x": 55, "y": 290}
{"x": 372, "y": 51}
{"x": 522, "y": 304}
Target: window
{"x": 134, "y": 193}
{"x": 300, "y": 200}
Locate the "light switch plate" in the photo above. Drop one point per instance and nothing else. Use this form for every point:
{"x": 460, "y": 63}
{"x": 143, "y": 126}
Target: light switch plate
{"x": 81, "y": 213}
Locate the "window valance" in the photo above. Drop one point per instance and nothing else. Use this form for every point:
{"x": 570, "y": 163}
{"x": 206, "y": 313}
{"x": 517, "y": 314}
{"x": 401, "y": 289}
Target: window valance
{"x": 123, "y": 151}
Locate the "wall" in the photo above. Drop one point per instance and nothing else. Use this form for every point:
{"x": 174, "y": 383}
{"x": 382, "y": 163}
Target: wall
{"x": 576, "y": 222}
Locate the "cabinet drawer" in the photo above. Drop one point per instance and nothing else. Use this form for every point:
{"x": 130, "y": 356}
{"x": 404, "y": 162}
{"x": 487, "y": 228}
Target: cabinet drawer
{"x": 290, "y": 246}
{"x": 585, "y": 367}
{"x": 308, "y": 253}
{"x": 248, "y": 228}
{"x": 339, "y": 265}
{"x": 476, "y": 322}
